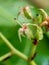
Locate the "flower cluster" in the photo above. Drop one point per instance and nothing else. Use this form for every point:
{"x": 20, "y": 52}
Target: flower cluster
{"x": 41, "y": 20}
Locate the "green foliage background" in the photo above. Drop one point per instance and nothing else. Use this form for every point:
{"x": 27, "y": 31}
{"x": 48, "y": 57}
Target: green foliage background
{"x": 9, "y": 28}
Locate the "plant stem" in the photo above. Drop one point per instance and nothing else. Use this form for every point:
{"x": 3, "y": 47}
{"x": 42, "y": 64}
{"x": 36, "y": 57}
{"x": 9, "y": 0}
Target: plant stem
{"x": 34, "y": 46}
{"x": 5, "y": 56}
{"x": 14, "y": 51}
{"x": 32, "y": 63}
{"x": 33, "y": 50}
{"x": 33, "y": 53}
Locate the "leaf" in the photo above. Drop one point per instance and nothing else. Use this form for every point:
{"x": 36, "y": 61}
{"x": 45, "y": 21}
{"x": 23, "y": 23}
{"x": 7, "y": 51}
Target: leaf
{"x": 1, "y": 63}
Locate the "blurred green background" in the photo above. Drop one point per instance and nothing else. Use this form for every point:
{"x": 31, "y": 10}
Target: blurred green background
{"x": 9, "y": 28}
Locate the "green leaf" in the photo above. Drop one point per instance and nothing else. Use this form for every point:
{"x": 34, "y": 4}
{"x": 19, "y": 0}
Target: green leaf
{"x": 1, "y": 63}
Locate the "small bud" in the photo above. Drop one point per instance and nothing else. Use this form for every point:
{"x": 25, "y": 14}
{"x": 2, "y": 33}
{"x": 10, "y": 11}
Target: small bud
{"x": 44, "y": 14}
{"x": 25, "y": 31}
{"x": 29, "y": 34}
{"x": 39, "y": 34}
{"x": 45, "y": 23}
{"x": 27, "y": 12}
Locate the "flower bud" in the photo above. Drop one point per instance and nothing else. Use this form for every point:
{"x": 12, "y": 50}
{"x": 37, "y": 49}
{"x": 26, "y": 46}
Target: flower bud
{"x": 29, "y": 34}
{"x": 39, "y": 33}
{"x": 44, "y": 14}
{"x": 27, "y": 12}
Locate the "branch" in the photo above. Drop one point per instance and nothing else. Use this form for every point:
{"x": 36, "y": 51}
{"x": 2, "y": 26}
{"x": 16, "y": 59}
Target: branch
{"x": 4, "y": 57}
{"x": 14, "y": 51}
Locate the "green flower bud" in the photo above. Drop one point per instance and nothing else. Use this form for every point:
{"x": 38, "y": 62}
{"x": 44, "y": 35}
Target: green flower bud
{"x": 25, "y": 31}
{"x": 39, "y": 34}
{"x": 27, "y": 12}
{"x": 44, "y": 14}
{"x": 29, "y": 34}
{"x": 36, "y": 31}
